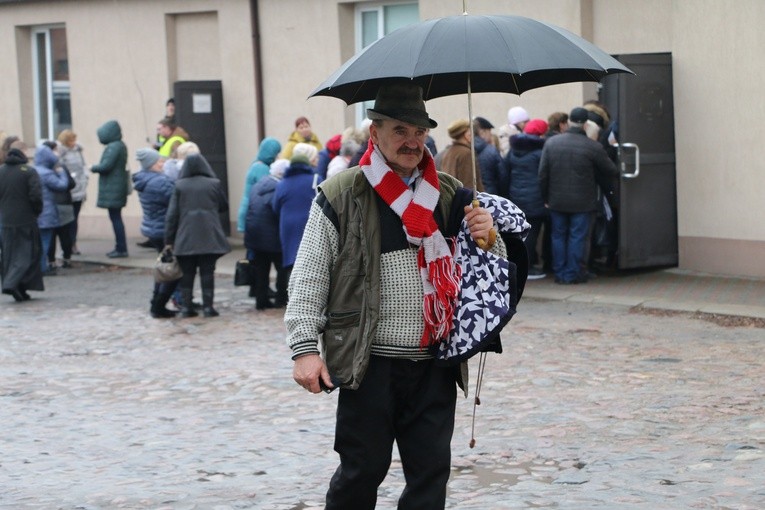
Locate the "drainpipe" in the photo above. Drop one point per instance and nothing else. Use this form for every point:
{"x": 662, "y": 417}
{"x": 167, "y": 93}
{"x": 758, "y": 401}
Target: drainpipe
{"x": 259, "y": 108}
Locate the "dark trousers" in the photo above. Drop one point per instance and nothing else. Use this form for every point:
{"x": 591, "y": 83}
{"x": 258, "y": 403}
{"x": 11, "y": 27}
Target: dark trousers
{"x": 532, "y": 238}
{"x": 76, "y": 206}
{"x": 411, "y": 403}
{"x": 262, "y": 262}
{"x": 64, "y": 235}
{"x": 206, "y": 265}
{"x": 120, "y": 241}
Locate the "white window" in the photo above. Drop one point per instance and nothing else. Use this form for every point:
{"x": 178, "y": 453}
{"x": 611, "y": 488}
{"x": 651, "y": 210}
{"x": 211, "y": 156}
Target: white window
{"x": 373, "y": 22}
{"x": 50, "y": 62}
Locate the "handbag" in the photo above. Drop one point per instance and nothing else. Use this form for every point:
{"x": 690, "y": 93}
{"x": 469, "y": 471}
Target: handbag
{"x": 166, "y": 268}
{"x": 244, "y": 273}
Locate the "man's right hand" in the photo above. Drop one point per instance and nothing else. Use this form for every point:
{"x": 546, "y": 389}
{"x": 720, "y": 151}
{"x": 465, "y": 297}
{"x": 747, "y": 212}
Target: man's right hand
{"x": 307, "y": 371}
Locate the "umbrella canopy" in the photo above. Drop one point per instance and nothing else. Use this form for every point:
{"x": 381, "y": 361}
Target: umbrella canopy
{"x": 510, "y": 54}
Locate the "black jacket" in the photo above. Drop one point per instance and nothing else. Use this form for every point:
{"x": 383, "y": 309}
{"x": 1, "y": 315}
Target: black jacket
{"x": 20, "y": 191}
{"x": 571, "y": 167}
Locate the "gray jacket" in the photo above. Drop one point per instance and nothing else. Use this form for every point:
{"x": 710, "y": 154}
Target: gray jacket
{"x": 193, "y": 223}
{"x": 572, "y": 165}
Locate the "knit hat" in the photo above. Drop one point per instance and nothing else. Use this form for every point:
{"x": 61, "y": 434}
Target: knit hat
{"x": 278, "y": 168}
{"x": 516, "y": 115}
{"x": 147, "y": 157}
{"x": 457, "y": 128}
{"x": 536, "y": 127}
{"x": 303, "y": 153}
{"x": 483, "y": 123}
{"x": 401, "y": 100}
{"x": 578, "y": 115}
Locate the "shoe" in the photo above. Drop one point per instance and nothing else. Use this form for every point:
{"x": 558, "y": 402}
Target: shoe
{"x": 145, "y": 244}
{"x": 117, "y": 254}
{"x": 50, "y": 272}
{"x": 209, "y": 311}
{"x": 264, "y": 305}
{"x": 535, "y": 274}
{"x": 17, "y": 295}
{"x": 162, "y": 313}
{"x": 66, "y": 264}
{"x": 188, "y": 312}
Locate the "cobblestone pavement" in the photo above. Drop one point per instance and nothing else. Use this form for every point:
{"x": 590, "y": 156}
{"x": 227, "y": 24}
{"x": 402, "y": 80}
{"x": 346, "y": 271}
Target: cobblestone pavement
{"x": 591, "y": 406}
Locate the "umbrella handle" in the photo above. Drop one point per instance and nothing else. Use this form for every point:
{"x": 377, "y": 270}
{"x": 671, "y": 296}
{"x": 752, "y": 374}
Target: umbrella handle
{"x": 485, "y": 244}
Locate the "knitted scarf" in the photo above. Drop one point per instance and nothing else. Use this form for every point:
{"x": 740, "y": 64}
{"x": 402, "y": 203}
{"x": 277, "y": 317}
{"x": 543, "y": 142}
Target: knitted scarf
{"x": 440, "y": 275}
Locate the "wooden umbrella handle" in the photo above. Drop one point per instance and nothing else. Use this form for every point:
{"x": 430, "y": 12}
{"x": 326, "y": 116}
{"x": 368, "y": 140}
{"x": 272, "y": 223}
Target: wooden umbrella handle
{"x": 485, "y": 244}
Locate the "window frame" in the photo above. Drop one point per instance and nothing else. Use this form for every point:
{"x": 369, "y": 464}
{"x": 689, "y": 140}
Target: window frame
{"x": 45, "y": 122}
{"x": 379, "y": 8}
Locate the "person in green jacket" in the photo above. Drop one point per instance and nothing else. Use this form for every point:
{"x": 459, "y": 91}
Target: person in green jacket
{"x": 113, "y": 182}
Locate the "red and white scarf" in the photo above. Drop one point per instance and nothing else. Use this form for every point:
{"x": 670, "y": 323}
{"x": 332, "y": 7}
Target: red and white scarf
{"x": 440, "y": 275}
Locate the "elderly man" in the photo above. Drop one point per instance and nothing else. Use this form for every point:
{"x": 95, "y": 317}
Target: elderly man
{"x": 365, "y": 281}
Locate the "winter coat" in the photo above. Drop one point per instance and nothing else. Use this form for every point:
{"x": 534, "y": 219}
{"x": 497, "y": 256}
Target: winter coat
{"x": 569, "y": 170}
{"x": 113, "y": 180}
{"x": 458, "y": 163}
{"x": 154, "y": 192}
{"x": 522, "y": 163}
{"x": 71, "y": 158}
{"x": 193, "y": 223}
{"x": 269, "y": 149}
{"x": 51, "y": 181}
{"x": 21, "y": 198}
{"x": 493, "y": 172}
{"x": 261, "y": 231}
{"x": 327, "y": 154}
{"x": 295, "y": 139}
{"x": 292, "y": 202}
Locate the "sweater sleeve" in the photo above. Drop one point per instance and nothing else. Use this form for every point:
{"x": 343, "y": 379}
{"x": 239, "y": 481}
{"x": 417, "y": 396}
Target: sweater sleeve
{"x": 310, "y": 281}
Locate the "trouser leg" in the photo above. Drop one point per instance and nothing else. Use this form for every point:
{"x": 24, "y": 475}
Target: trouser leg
{"x": 364, "y": 439}
{"x": 424, "y": 428}
{"x": 207, "y": 282}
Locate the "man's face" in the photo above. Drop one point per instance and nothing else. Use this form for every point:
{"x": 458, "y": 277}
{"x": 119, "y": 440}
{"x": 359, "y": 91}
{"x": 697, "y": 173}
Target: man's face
{"x": 402, "y": 144}
{"x": 485, "y": 134}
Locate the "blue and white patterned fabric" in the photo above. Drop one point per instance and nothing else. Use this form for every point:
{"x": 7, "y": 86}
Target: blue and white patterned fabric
{"x": 487, "y": 293}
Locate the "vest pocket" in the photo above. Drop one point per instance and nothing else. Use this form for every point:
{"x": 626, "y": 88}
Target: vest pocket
{"x": 341, "y": 340}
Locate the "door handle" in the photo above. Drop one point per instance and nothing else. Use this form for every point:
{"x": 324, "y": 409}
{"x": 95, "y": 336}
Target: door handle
{"x": 636, "y": 149}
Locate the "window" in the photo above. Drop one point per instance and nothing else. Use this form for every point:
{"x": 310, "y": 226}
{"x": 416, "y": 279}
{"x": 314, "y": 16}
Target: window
{"x": 375, "y": 21}
{"x": 50, "y": 62}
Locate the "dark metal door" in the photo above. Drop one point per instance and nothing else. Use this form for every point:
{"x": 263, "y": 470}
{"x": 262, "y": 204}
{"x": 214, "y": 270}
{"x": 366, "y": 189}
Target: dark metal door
{"x": 644, "y": 109}
{"x": 199, "y": 110}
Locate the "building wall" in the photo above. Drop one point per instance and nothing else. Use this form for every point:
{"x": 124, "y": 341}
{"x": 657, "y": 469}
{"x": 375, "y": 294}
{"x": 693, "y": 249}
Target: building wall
{"x": 134, "y": 50}
{"x": 123, "y": 60}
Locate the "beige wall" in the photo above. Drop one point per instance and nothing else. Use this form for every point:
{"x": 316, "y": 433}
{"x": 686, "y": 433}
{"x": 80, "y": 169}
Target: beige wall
{"x": 123, "y": 60}
{"x": 142, "y": 46}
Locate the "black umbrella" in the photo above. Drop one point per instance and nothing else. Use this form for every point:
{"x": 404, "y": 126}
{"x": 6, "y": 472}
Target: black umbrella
{"x": 468, "y": 53}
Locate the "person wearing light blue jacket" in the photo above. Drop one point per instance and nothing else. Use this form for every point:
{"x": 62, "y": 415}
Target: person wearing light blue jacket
{"x": 52, "y": 179}
{"x": 269, "y": 149}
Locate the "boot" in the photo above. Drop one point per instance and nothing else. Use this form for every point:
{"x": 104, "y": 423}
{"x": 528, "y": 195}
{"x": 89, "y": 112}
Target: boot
{"x": 158, "y": 306}
{"x": 208, "y": 293}
{"x": 187, "y": 308}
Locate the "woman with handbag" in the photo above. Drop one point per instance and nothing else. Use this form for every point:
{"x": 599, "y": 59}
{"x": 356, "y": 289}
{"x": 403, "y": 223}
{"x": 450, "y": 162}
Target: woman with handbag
{"x": 193, "y": 228}
{"x": 154, "y": 192}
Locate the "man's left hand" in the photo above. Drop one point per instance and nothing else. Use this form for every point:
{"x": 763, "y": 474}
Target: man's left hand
{"x": 479, "y": 221}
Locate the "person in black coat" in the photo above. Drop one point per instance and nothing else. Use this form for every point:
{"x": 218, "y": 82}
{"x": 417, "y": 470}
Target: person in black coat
{"x": 20, "y": 204}
{"x": 570, "y": 170}
{"x": 261, "y": 238}
{"x": 193, "y": 228}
